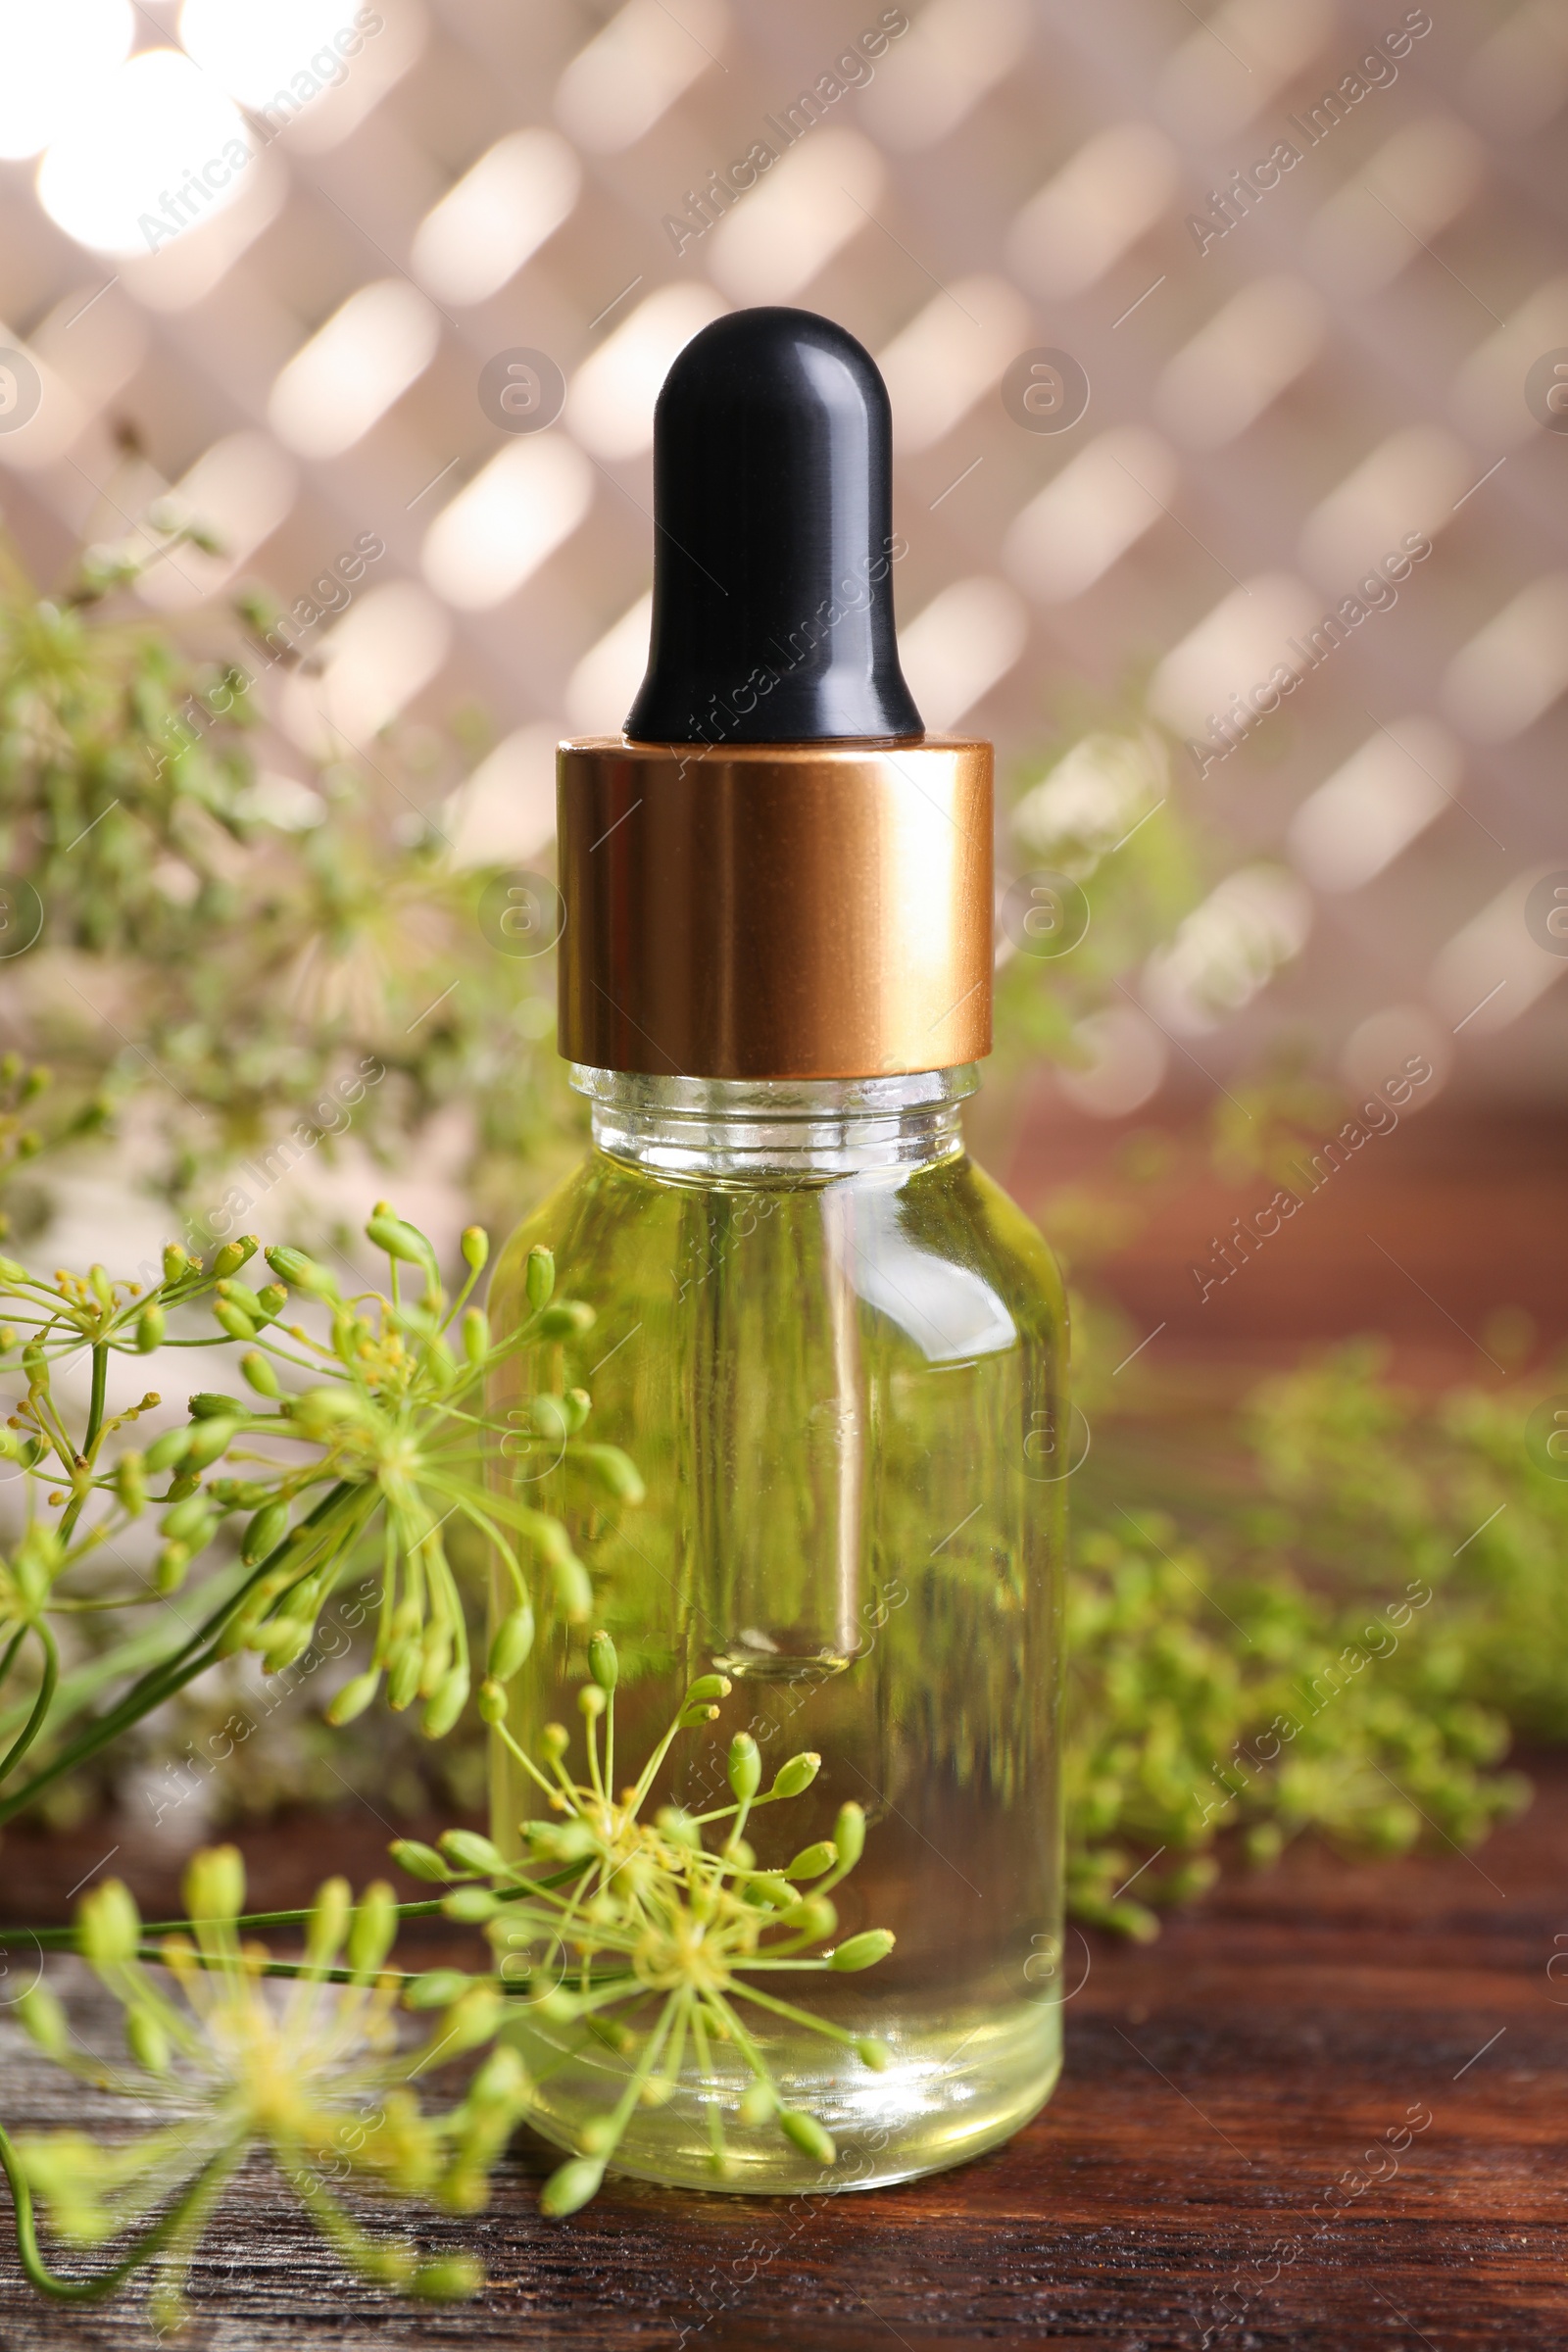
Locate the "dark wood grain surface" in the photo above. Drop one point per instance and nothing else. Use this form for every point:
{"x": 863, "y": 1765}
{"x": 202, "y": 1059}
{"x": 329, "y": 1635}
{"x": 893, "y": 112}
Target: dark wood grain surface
{"x": 1203, "y": 2175}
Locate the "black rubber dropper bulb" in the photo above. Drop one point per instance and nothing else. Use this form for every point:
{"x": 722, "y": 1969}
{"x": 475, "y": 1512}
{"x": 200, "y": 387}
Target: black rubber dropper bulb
{"x": 773, "y": 542}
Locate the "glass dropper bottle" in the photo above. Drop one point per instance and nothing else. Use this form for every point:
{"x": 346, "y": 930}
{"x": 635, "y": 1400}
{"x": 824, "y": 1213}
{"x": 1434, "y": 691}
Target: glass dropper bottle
{"x": 834, "y": 1347}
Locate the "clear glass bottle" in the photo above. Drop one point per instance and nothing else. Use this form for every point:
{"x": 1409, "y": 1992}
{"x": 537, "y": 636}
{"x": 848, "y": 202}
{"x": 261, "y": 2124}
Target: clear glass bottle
{"x": 836, "y": 1352}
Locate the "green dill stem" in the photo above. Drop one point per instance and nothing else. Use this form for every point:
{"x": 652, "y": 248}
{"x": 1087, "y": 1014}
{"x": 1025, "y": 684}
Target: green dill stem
{"x": 748, "y": 2048}
{"x": 799, "y": 2017}
{"x": 715, "y": 2121}
{"x": 89, "y": 2290}
{"x": 621, "y": 2113}
{"x": 95, "y": 1423}
{"x": 296, "y": 1969}
{"x": 524, "y": 1758}
{"x": 65, "y": 1940}
{"x": 9, "y": 1659}
{"x": 457, "y": 1306}
{"x": 670, "y": 2071}
{"x": 650, "y": 1771}
{"x": 162, "y": 1680}
{"x": 41, "y": 1705}
{"x": 358, "y": 2250}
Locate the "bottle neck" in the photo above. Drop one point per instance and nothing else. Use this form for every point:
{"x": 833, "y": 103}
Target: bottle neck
{"x": 766, "y": 1130}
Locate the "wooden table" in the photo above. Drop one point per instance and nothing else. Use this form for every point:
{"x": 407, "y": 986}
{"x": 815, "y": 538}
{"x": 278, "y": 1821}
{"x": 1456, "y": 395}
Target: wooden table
{"x": 1194, "y": 2182}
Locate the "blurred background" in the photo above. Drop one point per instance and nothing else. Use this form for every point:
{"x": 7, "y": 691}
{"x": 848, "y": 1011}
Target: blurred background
{"x": 1195, "y": 321}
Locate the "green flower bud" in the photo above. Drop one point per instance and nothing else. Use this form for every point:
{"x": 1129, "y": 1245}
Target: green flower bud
{"x": 328, "y": 1921}
{"x": 283, "y": 1640}
{"x": 270, "y": 1300}
{"x": 474, "y": 2018}
{"x": 45, "y": 2020}
{"x": 401, "y": 1241}
{"x": 233, "y": 1319}
{"x": 209, "y": 1405}
{"x": 164, "y": 1451}
{"x": 302, "y": 1273}
{"x": 109, "y": 1923}
{"x": 354, "y": 1698}
{"x": 473, "y": 1906}
{"x": 511, "y": 1643}
{"x": 209, "y": 1439}
{"x": 501, "y": 2078}
{"x": 554, "y": 1741}
{"x": 372, "y": 1928}
{"x": 570, "y": 2188}
{"x": 547, "y": 1417}
{"x": 678, "y": 1827}
{"x": 759, "y": 2105}
{"x": 213, "y": 1884}
{"x": 446, "y": 1704}
{"x": 147, "y": 2041}
{"x": 590, "y": 1700}
{"x": 452, "y": 2279}
{"x": 234, "y": 1254}
{"x": 264, "y": 1533}
{"x": 615, "y": 1471}
{"x": 259, "y": 1373}
{"x": 388, "y": 2264}
{"x": 795, "y": 1777}
{"x": 130, "y": 1483}
{"x": 561, "y": 1842}
{"x": 150, "y": 1327}
{"x": 188, "y": 1522}
{"x": 862, "y": 1951}
{"x": 745, "y": 1766}
{"x": 320, "y": 1412}
{"x": 492, "y": 1702}
{"x": 849, "y": 1835}
{"x": 176, "y": 1262}
{"x": 168, "y": 1571}
{"x": 402, "y": 1682}
{"x": 475, "y": 1335}
{"x": 475, "y": 1247}
{"x": 575, "y": 1592}
{"x": 567, "y": 1321}
{"x": 540, "y": 1279}
{"x": 238, "y": 1632}
{"x": 602, "y": 1663}
{"x": 435, "y": 1656}
{"x": 807, "y": 2134}
{"x": 437, "y": 1988}
{"x": 471, "y": 1851}
{"x": 419, "y": 1861}
{"x": 813, "y": 1917}
{"x": 874, "y": 2054}
{"x": 706, "y": 1689}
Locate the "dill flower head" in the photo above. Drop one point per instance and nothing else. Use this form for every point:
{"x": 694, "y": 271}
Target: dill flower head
{"x": 661, "y": 1934}
{"x": 314, "y": 2071}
